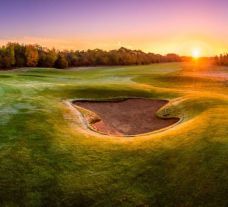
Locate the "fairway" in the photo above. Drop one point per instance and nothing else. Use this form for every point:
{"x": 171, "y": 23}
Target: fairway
{"x": 49, "y": 158}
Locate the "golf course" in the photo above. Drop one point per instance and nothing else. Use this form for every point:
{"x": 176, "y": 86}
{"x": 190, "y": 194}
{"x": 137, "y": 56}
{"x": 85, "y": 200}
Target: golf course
{"x": 50, "y": 155}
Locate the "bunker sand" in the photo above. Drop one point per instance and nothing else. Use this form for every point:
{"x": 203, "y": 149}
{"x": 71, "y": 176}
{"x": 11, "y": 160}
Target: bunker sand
{"x": 126, "y": 117}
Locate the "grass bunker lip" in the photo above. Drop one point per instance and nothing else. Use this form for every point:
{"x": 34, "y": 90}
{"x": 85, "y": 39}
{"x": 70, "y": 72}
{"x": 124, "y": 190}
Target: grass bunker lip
{"x": 124, "y": 117}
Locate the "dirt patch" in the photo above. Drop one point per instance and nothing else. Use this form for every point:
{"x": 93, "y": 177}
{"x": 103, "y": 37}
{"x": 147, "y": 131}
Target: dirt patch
{"x": 126, "y": 117}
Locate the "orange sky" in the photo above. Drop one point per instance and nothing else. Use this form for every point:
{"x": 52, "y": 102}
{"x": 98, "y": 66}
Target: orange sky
{"x": 159, "y": 26}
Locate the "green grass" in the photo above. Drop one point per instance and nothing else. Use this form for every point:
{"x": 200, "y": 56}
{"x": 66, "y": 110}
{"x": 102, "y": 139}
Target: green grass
{"x": 47, "y": 159}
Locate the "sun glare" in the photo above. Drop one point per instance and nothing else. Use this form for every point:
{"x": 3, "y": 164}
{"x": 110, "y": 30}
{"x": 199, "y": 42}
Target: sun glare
{"x": 196, "y": 53}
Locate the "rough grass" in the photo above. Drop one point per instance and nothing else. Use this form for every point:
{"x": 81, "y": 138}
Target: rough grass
{"x": 47, "y": 159}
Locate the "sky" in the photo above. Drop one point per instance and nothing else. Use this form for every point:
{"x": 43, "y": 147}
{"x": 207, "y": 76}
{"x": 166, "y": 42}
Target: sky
{"x": 159, "y": 26}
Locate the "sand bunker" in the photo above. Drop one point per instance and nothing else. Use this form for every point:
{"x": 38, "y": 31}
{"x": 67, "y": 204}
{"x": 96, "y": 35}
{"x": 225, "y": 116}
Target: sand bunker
{"x": 125, "y": 117}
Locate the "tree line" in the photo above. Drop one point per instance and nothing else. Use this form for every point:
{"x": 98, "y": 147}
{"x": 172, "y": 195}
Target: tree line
{"x": 14, "y": 55}
{"x": 222, "y": 60}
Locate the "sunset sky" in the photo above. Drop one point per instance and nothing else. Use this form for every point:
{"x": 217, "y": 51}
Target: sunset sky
{"x": 160, "y": 26}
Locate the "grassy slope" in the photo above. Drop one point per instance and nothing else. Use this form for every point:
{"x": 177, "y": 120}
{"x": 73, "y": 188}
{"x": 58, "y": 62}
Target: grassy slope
{"x": 46, "y": 159}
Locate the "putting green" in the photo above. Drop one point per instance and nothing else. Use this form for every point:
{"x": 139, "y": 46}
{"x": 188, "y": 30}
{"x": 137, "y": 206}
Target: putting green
{"x": 48, "y": 159}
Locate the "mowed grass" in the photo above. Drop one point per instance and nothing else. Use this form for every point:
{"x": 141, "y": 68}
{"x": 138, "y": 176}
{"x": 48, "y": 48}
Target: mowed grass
{"x": 47, "y": 159}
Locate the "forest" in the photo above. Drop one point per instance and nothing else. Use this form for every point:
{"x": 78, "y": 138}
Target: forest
{"x": 15, "y": 55}
{"x": 222, "y": 60}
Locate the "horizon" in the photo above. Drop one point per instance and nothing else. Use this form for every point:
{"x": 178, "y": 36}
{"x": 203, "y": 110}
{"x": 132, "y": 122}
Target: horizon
{"x": 109, "y": 50}
{"x": 159, "y": 27}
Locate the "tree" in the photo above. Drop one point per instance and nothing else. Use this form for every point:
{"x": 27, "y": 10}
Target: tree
{"x": 61, "y": 62}
{"x": 47, "y": 58}
{"x": 72, "y": 58}
{"x": 20, "y": 59}
{"x": 32, "y": 56}
{"x": 10, "y": 53}
{"x": 7, "y": 57}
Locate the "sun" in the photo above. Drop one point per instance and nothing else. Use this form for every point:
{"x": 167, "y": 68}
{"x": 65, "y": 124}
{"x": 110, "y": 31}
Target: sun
{"x": 196, "y": 53}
